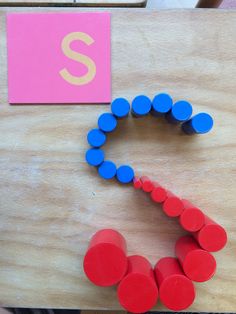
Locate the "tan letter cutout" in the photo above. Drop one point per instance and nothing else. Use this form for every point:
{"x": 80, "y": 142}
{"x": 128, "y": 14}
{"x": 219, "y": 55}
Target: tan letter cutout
{"x": 89, "y": 63}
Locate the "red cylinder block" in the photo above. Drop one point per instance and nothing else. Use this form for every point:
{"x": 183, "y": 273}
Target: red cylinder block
{"x": 176, "y": 291}
{"x": 105, "y": 262}
{"x": 137, "y": 183}
{"x": 211, "y": 237}
{"x": 199, "y": 265}
{"x": 192, "y": 218}
{"x": 173, "y": 206}
{"x": 137, "y": 291}
{"x": 147, "y": 184}
{"x": 158, "y": 194}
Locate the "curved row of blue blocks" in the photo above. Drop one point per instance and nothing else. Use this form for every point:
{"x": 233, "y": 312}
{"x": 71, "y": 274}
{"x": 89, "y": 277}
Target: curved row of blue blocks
{"x": 162, "y": 105}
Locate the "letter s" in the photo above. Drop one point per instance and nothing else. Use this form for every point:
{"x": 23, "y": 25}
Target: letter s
{"x": 89, "y": 63}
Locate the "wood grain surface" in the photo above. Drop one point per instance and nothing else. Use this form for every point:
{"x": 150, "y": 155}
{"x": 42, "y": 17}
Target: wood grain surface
{"x": 97, "y": 3}
{"x": 51, "y": 202}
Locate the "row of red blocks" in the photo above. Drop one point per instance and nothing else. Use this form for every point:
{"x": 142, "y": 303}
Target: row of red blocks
{"x": 209, "y": 234}
{"x": 139, "y": 285}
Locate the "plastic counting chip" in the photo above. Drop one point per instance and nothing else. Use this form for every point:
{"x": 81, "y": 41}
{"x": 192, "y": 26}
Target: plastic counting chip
{"x": 107, "y": 122}
{"x": 107, "y": 170}
{"x": 141, "y": 106}
{"x": 161, "y": 104}
{"x": 125, "y": 174}
{"x": 180, "y": 112}
{"x": 199, "y": 124}
{"x": 120, "y": 107}
{"x": 96, "y": 138}
{"x": 94, "y": 156}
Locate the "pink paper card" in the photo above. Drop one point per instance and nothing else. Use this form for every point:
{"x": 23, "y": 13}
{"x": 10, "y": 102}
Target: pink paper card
{"x": 59, "y": 58}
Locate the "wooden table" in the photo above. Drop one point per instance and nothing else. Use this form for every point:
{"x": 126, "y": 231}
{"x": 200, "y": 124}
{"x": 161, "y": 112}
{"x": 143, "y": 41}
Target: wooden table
{"x": 82, "y": 3}
{"x": 51, "y": 202}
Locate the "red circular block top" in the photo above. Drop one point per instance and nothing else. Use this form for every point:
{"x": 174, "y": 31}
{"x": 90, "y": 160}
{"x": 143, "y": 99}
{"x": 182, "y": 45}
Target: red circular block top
{"x": 159, "y": 194}
{"x": 199, "y": 265}
{"x": 137, "y": 291}
{"x": 192, "y": 219}
{"x": 212, "y": 237}
{"x": 173, "y": 206}
{"x": 137, "y": 183}
{"x": 105, "y": 262}
{"x": 177, "y": 292}
{"x": 147, "y": 184}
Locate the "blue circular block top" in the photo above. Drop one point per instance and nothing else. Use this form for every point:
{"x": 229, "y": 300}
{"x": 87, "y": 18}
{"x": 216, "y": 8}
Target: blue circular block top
{"x": 120, "y": 107}
{"x": 181, "y": 111}
{"x": 107, "y": 122}
{"x": 96, "y": 138}
{"x": 201, "y": 123}
{"x": 141, "y": 105}
{"x": 107, "y": 170}
{"x": 162, "y": 103}
{"x": 125, "y": 174}
{"x": 94, "y": 156}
